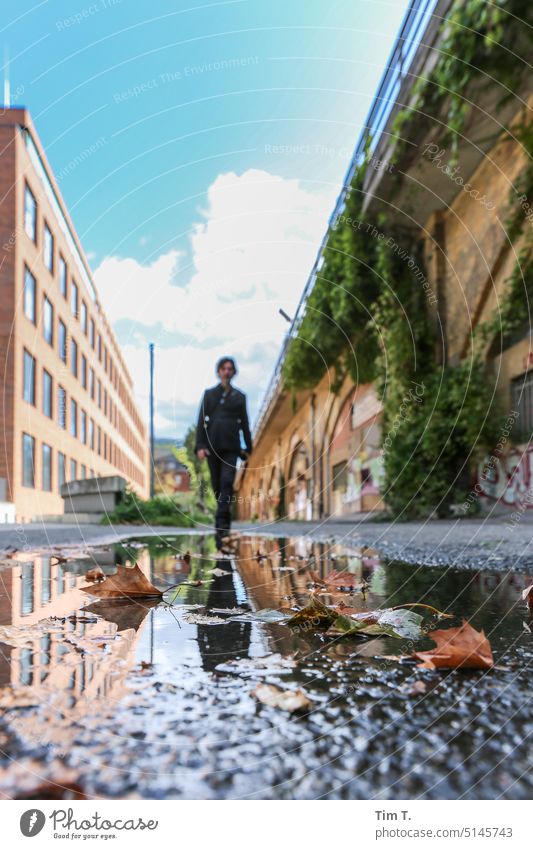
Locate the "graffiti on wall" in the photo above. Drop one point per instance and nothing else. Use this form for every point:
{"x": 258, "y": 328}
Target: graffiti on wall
{"x": 508, "y": 479}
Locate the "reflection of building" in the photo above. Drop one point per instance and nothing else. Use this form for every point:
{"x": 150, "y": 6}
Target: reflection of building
{"x": 171, "y": 475}
{"x": 67, "y": 656}
{"x": 463, "y": 211}
{"x": 68, "y": 407}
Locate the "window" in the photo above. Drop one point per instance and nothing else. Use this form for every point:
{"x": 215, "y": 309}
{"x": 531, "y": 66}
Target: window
{"x": 91, "y": 434}
{"x": 62, "y": 276}
{"x": 48, "y": 321}
{"x": 84, "y": 371}
{"x": 83, "y": 472}
{"x": 47, "y": 468}
{"x": 522, "y": 398}
{"x": 62, "y": 341}
{"x": 105, "y": 402}
{"x": 99, "y": 347}
{"x": 47, "y": 394}
{"x": 340, "y": 476}
{"x": 30, "y": 287}
{"x": 61, "y": 407}
{"x": 84, "y": 317}
{"x": 74, "y": 299}
{"x": 99, "y": 393}
{"x": 29, "y": 378}
{"x": 73, "y": 417}
{"x": 28, "y": 460}
{"x": 73, "y": 471}
{"x": 48, "y": 248}
{"x": 91, "y": 383}
{"x": 60, "y": 468}
{"x": 74, "y": 357}
{"x": 83, "y": 427}
{"x": 105, "y": 358}
{"x": 91, "y": 332}
{"x": 99, "y": 442}
{"x": 30, "y": 214}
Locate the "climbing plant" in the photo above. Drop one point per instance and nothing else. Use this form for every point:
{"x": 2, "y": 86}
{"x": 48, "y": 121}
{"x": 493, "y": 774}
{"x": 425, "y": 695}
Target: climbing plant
{"x": 368, "y": 314}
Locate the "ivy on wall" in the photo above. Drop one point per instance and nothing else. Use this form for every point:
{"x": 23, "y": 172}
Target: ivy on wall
{"x": 368, "y": 314}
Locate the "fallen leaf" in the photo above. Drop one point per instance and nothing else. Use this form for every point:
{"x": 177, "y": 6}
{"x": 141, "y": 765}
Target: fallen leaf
{"x": 457, "y": 647}
{"x": 204, "y": 619}
{"x": 387, "y": 622}
{"x": 127, "y": 582}
{"x": 272, "y": 664}
{"x": 315, "y": 613}
{"x": 96, "y": 574}
{"x": 266, "y": 615}
{"x": 527, "y": 595}
{"x": 219, "y": 573}
{"x": 289, "y": 700}
{"x": 345, "y": 582}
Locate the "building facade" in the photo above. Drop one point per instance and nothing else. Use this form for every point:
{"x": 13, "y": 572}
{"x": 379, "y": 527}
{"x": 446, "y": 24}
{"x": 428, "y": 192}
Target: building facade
{"x": 319, "y": 452}
{"x": 68, "y": 409}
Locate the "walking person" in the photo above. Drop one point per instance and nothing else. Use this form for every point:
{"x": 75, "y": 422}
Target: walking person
{"x": 221, "y": 420}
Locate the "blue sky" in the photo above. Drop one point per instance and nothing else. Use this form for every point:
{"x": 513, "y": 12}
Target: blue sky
{"x": 200, "y": 148}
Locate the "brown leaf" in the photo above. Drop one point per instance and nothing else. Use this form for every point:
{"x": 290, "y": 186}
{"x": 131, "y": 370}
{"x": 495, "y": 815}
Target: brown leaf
{"x": 457, "y": 647}
{"x": 127, "y": 582}
{"x": 345, "y": 582}
{"x": 289, "y": 700}
{"x": 527, "y": 595}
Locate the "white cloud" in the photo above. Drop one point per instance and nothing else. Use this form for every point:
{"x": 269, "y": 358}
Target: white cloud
{"x": 251, "y": 252}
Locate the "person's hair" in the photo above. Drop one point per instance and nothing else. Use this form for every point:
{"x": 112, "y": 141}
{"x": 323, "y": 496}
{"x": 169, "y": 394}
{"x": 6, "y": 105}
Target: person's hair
{"x": 224, "y": 360}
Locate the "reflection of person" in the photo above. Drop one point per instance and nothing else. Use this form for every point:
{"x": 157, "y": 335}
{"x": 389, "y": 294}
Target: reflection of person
{"x": 222, "y": 418}
{"x": 222, "y": 643}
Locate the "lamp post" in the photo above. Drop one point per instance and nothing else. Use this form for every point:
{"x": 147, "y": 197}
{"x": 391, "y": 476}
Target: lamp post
{"x": 151, "y": 419}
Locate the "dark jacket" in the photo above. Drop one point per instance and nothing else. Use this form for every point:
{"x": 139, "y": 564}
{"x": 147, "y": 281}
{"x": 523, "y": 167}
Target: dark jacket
{"x": 221, "y": 420}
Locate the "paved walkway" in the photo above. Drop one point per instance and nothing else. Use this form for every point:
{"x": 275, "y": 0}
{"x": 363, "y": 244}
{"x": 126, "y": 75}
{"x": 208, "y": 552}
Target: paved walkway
{"x": 467, "y": 543}
{"x": 495, "y": 543}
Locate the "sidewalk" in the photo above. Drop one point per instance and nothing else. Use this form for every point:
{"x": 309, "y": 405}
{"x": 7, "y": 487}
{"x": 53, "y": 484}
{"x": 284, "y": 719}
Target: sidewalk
{"x": 491, "y": 542}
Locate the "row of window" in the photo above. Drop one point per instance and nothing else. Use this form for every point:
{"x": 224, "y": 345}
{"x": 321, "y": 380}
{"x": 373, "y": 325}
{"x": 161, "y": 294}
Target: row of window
{"x": 29, "y": 465}
{"x": 78, "y": 306}
{"x": 69, "y": 354}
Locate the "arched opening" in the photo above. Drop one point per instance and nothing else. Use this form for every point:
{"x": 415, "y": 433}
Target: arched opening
{"x": 299, "y": 504}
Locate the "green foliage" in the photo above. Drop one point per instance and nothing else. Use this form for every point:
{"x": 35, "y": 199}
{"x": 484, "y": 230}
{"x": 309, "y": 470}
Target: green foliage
{"x": 368, "y": 314}
{"x": 178, "y": 511}
{"x": 200, "y": 481}
{"x": 475, "y": 48}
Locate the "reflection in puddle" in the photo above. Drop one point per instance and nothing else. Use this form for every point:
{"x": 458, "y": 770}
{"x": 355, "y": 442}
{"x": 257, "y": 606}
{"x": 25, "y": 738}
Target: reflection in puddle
{"x": 67, "y": 659}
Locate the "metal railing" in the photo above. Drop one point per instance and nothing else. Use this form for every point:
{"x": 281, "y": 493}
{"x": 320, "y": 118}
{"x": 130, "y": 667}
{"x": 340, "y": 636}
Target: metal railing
{"x": 414, "y": 25}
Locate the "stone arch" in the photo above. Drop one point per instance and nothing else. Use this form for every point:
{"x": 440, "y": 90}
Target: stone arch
{"x": 298, "y": 483}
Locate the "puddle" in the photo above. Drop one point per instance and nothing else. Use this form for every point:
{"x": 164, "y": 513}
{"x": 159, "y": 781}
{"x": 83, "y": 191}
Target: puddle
{"x": 146, "y": 698}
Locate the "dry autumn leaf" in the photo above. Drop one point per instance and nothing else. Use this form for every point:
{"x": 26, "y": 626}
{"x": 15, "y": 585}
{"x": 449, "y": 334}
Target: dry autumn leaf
{"x": 127, "y": 582}
{"x": 457, "y": 647}
{"x": 289, "y": 700}
{"x": 527, "y": 595}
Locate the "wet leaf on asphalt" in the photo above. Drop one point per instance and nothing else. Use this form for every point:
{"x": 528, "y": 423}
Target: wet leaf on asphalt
{"x": 289, "y": 700}
{"x": 267, "y": 615}
{"x": 344, "y": 582}
{"x": 315, "y": 613}
{"x": 527, "y": 595}
{"x": 204, "y": 619}
{"x": 272, "y": 664}
{"x": 457, "y": 647}
{"x": 387, "y": 622}
{"x": 127, "y": 582}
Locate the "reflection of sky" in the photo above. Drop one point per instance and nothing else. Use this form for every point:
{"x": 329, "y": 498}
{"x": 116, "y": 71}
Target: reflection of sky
{"x": 200, "y": 152}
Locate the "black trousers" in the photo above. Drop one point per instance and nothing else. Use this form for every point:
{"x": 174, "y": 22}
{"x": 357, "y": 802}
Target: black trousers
{"x": 222, "y": 468}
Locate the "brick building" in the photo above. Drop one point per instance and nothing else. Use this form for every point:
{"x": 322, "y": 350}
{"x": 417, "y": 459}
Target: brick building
{"x": 68, "y": 409}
